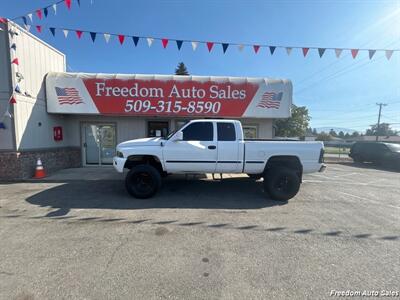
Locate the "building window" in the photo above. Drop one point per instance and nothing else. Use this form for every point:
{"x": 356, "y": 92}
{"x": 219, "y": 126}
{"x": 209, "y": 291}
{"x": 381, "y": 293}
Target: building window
{"x": 250, "y": 131}
{"x": 157, "y": 129}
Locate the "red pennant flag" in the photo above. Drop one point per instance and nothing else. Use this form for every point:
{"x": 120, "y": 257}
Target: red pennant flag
{"x": 12, "y": 100}
{"x": 39, "y": 28}
{"x": 209, "y": 46}
{"x": 121, "y": 38}
{"x": 15, "y": 61}
{"x": 256, "y": 48}
{"x": 3, "y": 20}
{"x": 164, "y": 43}
{"x": 39, "y": 13}
{"x": 68, "y": 3}
{"x": 354, "y": 52}
{"x": 305, "y": 51}
{"x": 79, "y": 33}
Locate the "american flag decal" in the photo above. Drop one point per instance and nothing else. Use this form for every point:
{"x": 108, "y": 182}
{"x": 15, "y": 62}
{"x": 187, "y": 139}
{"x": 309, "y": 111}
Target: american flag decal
{"x": 270, "y": 100}
{"x": 68, "y": 96}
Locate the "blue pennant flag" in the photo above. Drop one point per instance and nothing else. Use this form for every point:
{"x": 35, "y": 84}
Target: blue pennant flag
{"x": 93, "y": 36}
{"x": 225, "y": 46}
{"x": 53, "y": 31}
{"x": 135, "y": 40}
{"x": 46, "y": 12}
{"x": 17, "y": 89}
{"x": 272, "y": 49}
{"x": 25, "y": 20}
{"x": 13, "y": 46}
{"x": 79, "y": 2}
{"x": 2, "y": 125}
{"x": 179, "y": 44}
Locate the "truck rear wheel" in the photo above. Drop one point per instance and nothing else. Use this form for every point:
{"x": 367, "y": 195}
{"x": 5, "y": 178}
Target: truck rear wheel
{"x": 281, "y": 183}
{"x": 143, "y": 181}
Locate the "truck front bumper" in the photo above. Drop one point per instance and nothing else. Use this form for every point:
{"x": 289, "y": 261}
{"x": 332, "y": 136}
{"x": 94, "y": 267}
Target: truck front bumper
{"x": 119, "y": 163}
{"x": 322, "y": 168}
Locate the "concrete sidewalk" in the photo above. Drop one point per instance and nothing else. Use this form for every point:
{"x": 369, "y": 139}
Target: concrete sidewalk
{"x": 85, "y": 173}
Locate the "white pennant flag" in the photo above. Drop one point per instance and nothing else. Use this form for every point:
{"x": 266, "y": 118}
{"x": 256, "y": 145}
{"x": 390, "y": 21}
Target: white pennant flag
{"x": 194, "y": 45}
{"x": 338, "y": 52}
{"x": 30, "y": 17}
{"x": 388, "y": 54}
{"x": 65, "y": 32}
{"x": 150, "y": 41}
{"x": 288, "y": 50}
{"x": 27, "y": 27}
{"x": 8, "y": 114}
{"x": 241, "y": 47}
{"x": 107, "y": 37}
{"x": 55, "y": 8}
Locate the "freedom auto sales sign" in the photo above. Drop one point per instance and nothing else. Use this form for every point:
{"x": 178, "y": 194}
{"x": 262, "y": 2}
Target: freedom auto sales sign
{"x": 160, "y": 95}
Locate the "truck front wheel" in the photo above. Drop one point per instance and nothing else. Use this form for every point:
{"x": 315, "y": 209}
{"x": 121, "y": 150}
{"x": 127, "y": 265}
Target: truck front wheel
{"x": 143, "y": 181}
{"x": 281, "y": 183}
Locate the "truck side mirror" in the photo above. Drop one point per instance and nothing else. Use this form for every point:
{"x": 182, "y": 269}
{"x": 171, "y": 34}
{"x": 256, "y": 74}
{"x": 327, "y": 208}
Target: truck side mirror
{"x": 178, "y": 136}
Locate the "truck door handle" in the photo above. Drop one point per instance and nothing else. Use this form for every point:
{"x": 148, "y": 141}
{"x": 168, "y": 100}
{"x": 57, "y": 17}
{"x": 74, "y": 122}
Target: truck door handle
{"x": 212, "y": 147}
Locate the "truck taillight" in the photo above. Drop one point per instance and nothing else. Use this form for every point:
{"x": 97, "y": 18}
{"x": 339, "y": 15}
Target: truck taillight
{"x": 321, "y": 156}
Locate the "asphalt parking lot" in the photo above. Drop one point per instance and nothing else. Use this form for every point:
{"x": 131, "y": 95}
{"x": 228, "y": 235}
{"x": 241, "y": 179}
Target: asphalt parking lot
{"x": 83, "y": 237}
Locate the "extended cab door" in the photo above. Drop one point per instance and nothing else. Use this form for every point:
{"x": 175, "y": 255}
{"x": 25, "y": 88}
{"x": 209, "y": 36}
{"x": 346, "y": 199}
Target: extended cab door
{"x": 229, "y": 155}
{"x": 197, "y": 152}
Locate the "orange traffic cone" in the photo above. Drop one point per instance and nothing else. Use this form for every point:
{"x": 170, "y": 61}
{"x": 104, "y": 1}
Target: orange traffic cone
{"x": 39, "y": 172}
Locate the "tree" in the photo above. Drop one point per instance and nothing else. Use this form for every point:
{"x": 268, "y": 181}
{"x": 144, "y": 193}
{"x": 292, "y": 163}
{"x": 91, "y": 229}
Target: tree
{"x": 294, "y": 126}
{"x": 341, "y": 134}
{"x": 384, "y": 130}
{"x": 323, "y": 136}
{"x": 332, "y": 133}
{"x": 355, "y": 134}
{"x": 181, "y": 69}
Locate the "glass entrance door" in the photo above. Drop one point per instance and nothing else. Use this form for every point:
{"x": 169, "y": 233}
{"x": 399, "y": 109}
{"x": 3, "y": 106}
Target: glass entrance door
{"x": 99, "y": 143}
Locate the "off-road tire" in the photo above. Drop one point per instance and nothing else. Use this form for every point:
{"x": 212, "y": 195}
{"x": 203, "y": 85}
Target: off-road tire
{"x": 143, "y": 181}
{"x": 281, "y": 183}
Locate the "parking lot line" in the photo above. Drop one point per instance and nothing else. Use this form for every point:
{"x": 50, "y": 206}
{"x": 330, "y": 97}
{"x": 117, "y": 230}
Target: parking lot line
{"x": 369, "y": 200}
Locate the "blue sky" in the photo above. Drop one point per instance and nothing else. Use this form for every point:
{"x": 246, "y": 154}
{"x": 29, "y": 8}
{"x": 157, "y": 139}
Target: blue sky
{"x": 338, "y": 92}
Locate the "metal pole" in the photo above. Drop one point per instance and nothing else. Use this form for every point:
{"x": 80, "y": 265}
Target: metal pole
{"x": 379, "y": 120}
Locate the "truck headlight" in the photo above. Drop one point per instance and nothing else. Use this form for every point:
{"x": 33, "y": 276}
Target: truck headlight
{"x": 120, "y": 154}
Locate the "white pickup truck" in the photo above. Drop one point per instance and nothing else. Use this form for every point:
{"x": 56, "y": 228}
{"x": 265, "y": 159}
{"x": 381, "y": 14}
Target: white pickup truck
{"x": 217, "y": 146}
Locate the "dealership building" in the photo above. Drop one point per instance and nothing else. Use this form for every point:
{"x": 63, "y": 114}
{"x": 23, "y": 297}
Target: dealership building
{"x": 76, "y": 119}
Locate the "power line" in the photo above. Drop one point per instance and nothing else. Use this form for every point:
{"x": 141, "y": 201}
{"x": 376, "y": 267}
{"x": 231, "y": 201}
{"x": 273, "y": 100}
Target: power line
{"x": 341, "y": 72}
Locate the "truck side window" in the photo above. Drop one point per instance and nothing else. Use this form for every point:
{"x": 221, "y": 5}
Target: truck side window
{"x": 199, "y": 131}
{"x": 226, "y": 132}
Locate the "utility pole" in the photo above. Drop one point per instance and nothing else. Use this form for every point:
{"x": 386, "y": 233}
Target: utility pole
{"x": 379, "y": 119}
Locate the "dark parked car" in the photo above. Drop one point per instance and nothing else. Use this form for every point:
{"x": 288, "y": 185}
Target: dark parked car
{"x": 376, "y": 152}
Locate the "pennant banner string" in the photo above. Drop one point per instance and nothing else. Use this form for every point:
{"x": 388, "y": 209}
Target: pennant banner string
{"x": 321, "y": 50}
{"x": 45, "y": 10}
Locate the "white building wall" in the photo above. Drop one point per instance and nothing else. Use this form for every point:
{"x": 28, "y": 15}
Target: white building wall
{"x": 33, "y": 125}
{"x": 128, "y": 128}
{"x": 6, "y": 135}
{"x": 264, "y": 127}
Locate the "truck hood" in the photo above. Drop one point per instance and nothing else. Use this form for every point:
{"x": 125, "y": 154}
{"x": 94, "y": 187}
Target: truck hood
{"x": 141, "y": 142}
